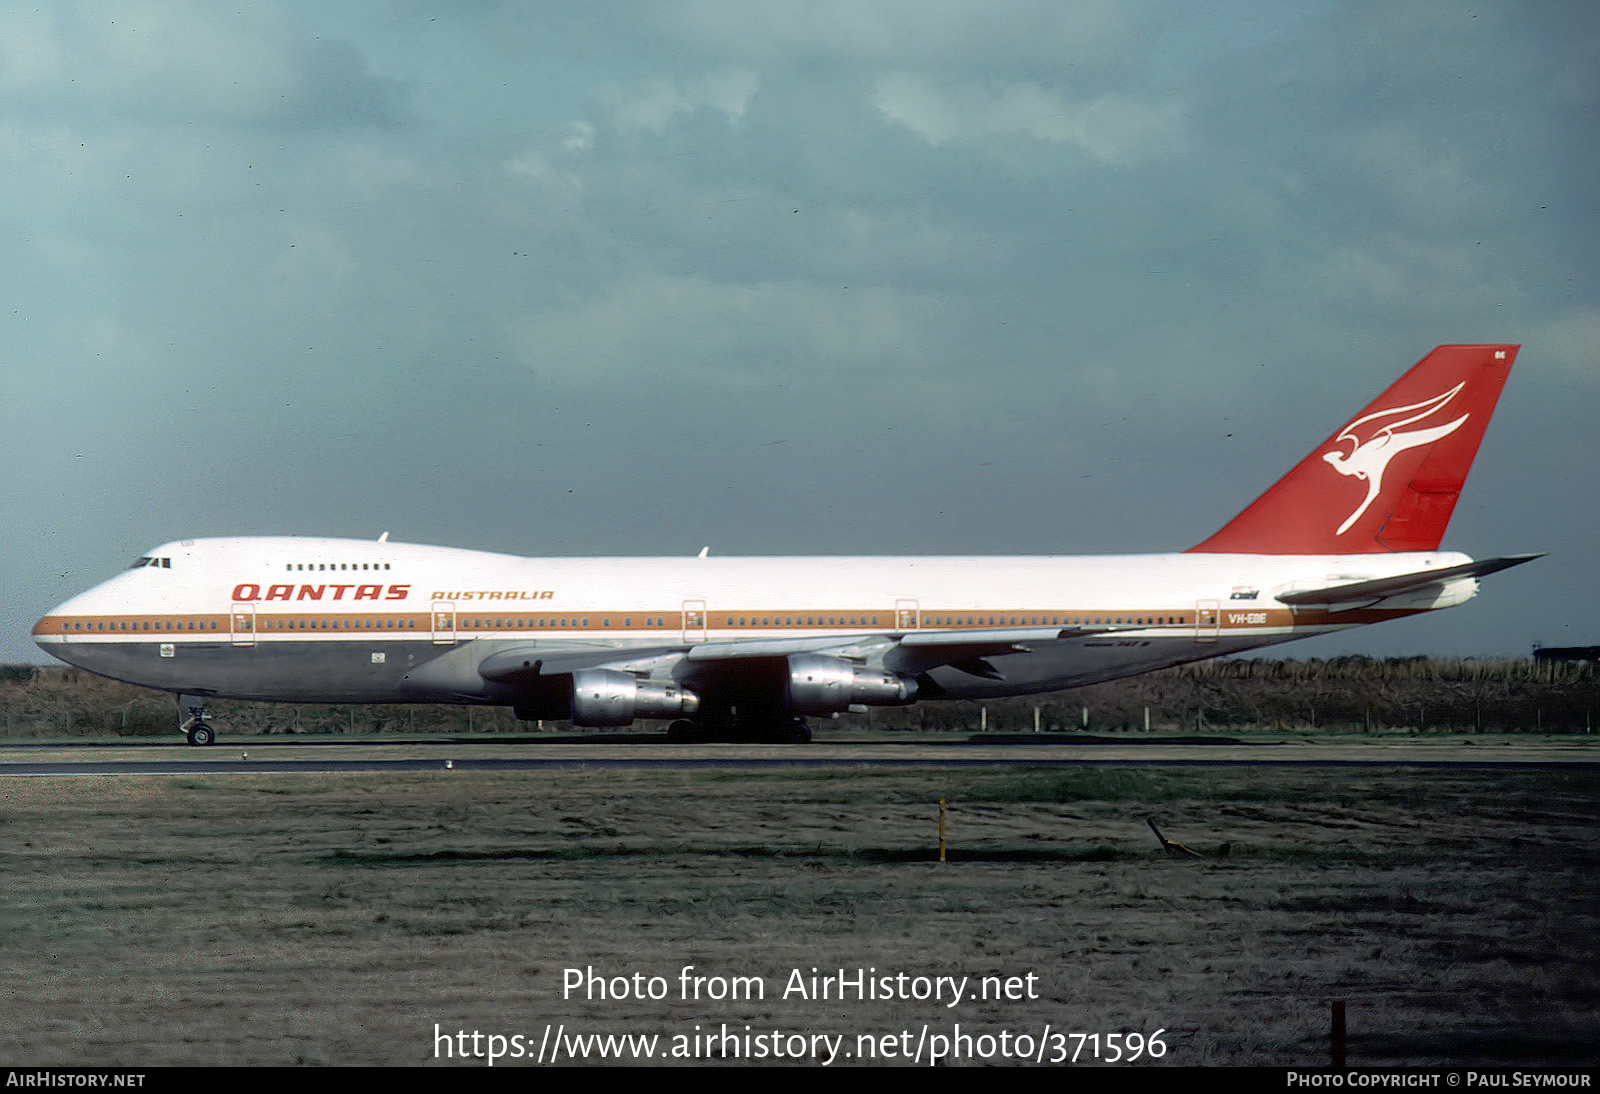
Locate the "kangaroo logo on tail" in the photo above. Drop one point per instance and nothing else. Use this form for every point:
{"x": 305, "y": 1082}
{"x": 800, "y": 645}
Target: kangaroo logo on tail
{"x": 1412, "y": 447}
{"x": 1368, "y": 459}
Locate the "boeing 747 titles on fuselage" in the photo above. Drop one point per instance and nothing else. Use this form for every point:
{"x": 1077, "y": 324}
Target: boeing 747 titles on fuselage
{"x": 749, "y": 648}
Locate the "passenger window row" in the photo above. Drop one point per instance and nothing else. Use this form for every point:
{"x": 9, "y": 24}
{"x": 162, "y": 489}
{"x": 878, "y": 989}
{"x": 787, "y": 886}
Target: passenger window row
{"x": 268, "y": 622}
{"x": 144, "y": 625}
{"x": 292, "y": 566}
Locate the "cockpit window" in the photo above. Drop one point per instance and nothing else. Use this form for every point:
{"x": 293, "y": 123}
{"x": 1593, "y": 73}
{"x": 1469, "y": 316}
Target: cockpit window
{"x": 141, "y": 562}
{"x": 164, "y": 563}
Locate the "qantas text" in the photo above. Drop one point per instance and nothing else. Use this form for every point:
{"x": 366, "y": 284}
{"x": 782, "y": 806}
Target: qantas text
{"x": 248, "y": 591}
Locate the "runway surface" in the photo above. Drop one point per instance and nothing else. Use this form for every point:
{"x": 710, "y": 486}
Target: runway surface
{"x": 269, "y": 755}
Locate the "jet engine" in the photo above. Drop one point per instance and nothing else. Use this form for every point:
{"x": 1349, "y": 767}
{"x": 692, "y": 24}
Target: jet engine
{"x": 831, "y": 685}
{"x": 606, "y": 697}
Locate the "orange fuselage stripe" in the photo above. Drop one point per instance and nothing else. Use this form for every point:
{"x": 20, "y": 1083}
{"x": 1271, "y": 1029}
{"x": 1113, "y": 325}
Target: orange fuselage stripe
{"x": 521, "y": 623}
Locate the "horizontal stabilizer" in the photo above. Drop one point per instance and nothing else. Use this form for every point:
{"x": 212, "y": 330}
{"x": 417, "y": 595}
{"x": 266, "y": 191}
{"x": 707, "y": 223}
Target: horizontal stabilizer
{"x": 1379, "y": 588}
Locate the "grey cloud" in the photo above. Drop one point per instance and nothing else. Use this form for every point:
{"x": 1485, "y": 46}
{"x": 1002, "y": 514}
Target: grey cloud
{"x": 870, "y": 277}
{"x": 183, "y": 61}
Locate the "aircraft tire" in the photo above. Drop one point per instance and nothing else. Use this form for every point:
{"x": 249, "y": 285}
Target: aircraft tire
{"x": 684, "y": 731}
{"x": 200, "y": 734}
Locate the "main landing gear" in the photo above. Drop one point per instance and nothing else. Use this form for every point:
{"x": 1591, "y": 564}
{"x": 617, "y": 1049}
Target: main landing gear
{"x": 192, "y": 721}
{"x": 779, "y": 730}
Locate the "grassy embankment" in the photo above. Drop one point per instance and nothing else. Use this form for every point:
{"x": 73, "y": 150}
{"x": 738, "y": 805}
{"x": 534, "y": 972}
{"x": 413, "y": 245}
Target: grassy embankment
{"x": 1350, "y": 694}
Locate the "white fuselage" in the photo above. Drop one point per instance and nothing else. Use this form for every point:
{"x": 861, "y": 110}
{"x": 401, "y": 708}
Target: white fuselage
{"x": 746, "y": 648}
{"x": 332, "y": 620}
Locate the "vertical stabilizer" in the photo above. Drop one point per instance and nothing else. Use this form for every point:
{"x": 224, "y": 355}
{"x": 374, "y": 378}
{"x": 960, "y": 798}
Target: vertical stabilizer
{"x": 1389, "y": 479}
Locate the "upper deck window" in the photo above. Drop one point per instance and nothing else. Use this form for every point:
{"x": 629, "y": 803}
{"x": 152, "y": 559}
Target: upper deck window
{"x": 292, "y": 566}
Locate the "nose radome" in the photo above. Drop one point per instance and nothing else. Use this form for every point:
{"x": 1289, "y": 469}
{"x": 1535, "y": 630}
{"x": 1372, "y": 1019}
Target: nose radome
{"x": 50, "y": 632}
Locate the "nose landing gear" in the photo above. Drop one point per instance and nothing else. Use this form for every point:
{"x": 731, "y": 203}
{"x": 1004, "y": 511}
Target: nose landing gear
{"x": 192, "y": 720}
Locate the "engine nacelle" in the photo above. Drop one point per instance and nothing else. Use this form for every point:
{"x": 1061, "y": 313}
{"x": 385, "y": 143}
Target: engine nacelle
{"x": 831, "y": 685}
{"x": 606, "y": 697}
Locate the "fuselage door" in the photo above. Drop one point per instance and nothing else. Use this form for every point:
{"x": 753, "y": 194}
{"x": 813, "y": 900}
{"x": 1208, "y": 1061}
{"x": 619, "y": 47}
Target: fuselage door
{"x": 444, "y": 622}
{"x": 907, "y": 616}
{"x": 242, "y": 622}
{"x": 1207, "y": 620}
{"x": 694, "y": 620}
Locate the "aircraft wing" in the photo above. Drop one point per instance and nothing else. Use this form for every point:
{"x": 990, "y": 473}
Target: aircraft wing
{"x": 1382, "y": 587}
{"x": 899, "y": 651}
{"x": 920, "y": 651}
{"x": 524, "y": 664}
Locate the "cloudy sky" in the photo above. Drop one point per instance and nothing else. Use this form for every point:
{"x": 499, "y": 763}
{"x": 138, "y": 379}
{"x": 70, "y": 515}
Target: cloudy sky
{"x": 840, "y": 277}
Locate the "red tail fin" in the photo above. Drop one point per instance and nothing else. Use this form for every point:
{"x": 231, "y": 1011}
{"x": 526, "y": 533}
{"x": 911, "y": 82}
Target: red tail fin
{"x": 1388, "y": 480}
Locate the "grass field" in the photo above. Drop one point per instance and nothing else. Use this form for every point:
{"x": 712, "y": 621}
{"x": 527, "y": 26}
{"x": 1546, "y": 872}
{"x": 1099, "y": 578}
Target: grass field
{"x": 319, "y": 919}
{"x": 1346, "y": 694}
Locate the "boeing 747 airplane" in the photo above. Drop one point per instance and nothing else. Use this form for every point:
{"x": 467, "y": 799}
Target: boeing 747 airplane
{"x": 748, "y": 648}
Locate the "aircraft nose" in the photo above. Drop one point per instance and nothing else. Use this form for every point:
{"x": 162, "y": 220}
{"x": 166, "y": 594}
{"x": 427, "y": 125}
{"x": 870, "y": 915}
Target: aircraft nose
{"x": 51, "y": 633}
